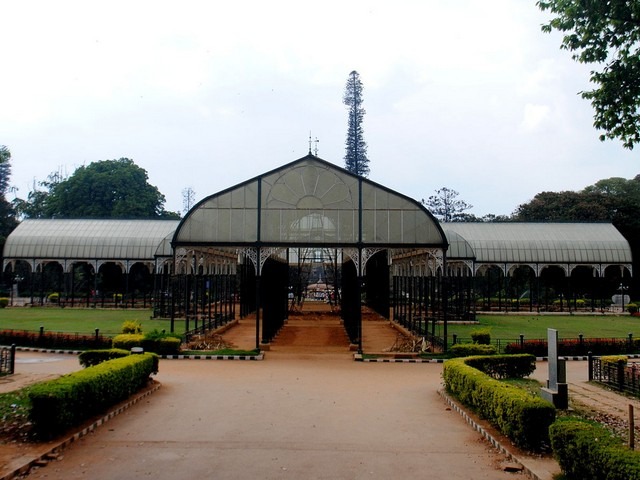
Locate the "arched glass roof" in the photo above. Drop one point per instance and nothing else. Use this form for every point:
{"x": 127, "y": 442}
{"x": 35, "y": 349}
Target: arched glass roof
{"x": 309, "y": 202}
{"x": 567, "y": 243}
{"x": 87, "y": 239}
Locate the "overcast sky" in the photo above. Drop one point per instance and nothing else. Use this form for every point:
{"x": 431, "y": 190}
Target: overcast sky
{"x": 468, "y": 95}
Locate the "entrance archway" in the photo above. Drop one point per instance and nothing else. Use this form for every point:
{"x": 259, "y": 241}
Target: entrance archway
{"x": 315, "y": 206}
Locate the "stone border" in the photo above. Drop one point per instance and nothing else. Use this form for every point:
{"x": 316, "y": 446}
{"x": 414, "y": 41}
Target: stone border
{"x": 358, "y": 357}
{"x": 259, "y": 356}
{"x": 55, "y": 450}
{"x": 488, "y": 436}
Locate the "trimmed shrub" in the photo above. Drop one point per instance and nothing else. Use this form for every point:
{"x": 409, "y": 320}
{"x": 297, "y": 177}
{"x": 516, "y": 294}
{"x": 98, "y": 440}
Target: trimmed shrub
{"x": 131, "y": 326}
{"x": 57, "y": 340}
{"x": 4, "y": 302}
{"x": 59, "y": 404}
{"x": 54, "y": 297}
{"x": 588, "y": 450}
{"x": 573, "y": 346}
{"x": 632, "y": 308}
{"x": 468, "y": 349}
{"x": 481, "y": 336}
{"x": 504, "y": 366}
{"x": 522, "y": 417}
{"x": 127, "y": 341}
{"x": 614, "y": 359}
{"x": 162, "y": 346}
{"x": 90, "y": 358}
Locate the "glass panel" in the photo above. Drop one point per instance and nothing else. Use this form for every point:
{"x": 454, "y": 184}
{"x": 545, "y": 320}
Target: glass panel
{"x": 381, "y": 226}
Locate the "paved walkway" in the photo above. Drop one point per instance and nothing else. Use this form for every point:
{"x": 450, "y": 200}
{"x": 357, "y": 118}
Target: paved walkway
{"x": 300, "y": 413}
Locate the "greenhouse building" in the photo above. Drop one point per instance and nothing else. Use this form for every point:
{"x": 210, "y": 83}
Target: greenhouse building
{"x": 311, "y": 228}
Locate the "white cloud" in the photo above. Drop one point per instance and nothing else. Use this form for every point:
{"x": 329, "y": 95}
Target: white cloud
{"x": 469, "y": 94}
{"x": 534, "y": 116}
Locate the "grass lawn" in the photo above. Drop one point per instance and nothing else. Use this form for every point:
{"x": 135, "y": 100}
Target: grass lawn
{"x": 83, "y": 321}
{"x": 535, "y": 326}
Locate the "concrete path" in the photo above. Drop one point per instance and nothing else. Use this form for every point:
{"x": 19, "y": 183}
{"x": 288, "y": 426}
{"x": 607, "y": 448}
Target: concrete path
{"x": 289, "y": 416}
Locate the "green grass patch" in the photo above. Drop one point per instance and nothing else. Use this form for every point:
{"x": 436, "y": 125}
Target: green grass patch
{"x": 80, "y": 320}
{"x": 506, "y": 327}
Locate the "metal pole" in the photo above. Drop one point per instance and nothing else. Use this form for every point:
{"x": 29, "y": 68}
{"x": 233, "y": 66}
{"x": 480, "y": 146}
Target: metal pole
{"x": 632, "y": 433}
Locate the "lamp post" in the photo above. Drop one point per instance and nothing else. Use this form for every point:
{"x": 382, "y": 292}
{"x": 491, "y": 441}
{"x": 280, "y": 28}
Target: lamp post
{"x": 14, "y": 287}
{"x": 622, "y": 289}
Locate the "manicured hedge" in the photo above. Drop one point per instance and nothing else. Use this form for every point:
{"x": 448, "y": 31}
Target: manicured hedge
{"x": 468, "y": 349}
{"x": 59, "y": 404}
{"x": 586, "y": 450}
{"x": 522, "y": 417}
{"x": 162, "y": 346}
{"x": 571, "y": 347}
{"x": 54, "y": 340}
{"x": 90, "y": 358}
{"x": 167, "y": 345}
{"x": 126, "y": 341}
{"x": 504, "y": 366}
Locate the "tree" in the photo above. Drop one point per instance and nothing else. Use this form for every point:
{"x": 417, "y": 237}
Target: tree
{"x": 355, "y": 158}
{"x": 103, "y": 189}
{"x": 188, "y": 199}
{"x": 7, "y": 214}
{"x": 565, "y": 206}
{"x": 606, "y": 34}
{"x": 445, "y": 206}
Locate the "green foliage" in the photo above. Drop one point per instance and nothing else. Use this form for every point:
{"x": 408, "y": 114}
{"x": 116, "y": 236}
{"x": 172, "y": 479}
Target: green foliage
{"x": 504, "y": 366}
{"x": 103, "y": 189}
{"x": 4, "y": 302}
{"x": 482, "y": 336}
{"x": 573, "y": 346}
{"x": 445, "y": 205}
{"x": 89, "y": 358}
{"x": 59, "y": 404}
{"x": 632, "y": 308}
{"x": 131, "y": 326}
{"x": 614, "y": 359}
{"x": 57, "y": 340}
{"x": 53, "y": 297}
{"x": 162, "y": 346}
{"x": 606, "y": 34}
{"x": 126, "y": 341}
{"x": 468, "y": 349}
{"x": 524, "y": 418}
{"x": 588, "y": 450}
{"x": 355, "y": 158}
{"x": 7, "y": 213}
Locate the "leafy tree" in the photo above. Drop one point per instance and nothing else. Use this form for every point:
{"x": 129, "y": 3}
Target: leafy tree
{"x": 36, "y": 204}
{"x": 104, "y": 189}
{"x": 606, "y": 34}
{"x": 565, "y": 206}
{"x": 446, "y": 207}
{"x": 355, "y": 159}
{"x": 7, "y": 214}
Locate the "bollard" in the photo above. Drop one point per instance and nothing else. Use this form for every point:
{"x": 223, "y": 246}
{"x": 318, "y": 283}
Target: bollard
{"x": 455, "y": 339}
{"x": 12, "y": 362}
{"x": 97, "y": 334}
{"x": 632, "y": 428}
{"x": 521, "y": 340}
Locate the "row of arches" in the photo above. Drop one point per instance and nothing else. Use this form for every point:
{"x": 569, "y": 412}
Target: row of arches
{"x": 81, "y": 283}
